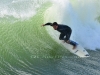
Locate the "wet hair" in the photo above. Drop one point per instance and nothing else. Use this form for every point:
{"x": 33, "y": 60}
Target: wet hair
{"x": 55, "y": 23}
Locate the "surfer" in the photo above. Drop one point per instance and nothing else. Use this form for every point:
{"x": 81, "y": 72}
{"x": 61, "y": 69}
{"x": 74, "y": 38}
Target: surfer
{"x": 65, "y": 32}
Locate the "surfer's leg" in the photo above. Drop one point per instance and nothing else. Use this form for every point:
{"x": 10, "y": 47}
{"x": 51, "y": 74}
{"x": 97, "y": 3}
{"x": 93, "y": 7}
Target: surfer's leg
{"x": 73, "y": 43}
{"x": 61, "y": 37}
{"x": 66, "y": 39}
{"x": 69, "y": 41}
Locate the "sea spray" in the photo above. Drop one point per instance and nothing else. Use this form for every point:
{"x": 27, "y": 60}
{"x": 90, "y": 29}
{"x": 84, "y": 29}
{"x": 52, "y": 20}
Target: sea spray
{"x": 80, "y": 16}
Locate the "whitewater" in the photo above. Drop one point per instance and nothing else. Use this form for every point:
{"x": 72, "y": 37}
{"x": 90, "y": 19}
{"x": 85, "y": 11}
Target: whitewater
{"x": 27, "y": 48}
{"x": 81, "y": 19}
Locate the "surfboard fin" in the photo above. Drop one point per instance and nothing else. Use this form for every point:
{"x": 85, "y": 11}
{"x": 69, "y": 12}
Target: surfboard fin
{"x": 87, "y": 55}
{"x": 76, "y": 51}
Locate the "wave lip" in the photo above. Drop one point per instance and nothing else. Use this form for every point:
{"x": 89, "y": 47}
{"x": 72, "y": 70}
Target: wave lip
{"x": 20, "y": 9}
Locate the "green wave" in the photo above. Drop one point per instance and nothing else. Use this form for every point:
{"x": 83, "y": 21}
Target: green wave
{"x": 26, "y": 48}
{"x": 23, "y": 41}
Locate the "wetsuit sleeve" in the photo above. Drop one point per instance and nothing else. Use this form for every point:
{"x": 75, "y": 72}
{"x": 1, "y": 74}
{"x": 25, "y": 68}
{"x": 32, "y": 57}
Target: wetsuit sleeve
{"x": 48, "y": 24}
{"x": 65, "y": 28}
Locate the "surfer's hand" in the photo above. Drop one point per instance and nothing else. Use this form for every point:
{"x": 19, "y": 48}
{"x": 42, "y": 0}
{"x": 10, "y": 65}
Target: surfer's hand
{"x": 43, "y": 25}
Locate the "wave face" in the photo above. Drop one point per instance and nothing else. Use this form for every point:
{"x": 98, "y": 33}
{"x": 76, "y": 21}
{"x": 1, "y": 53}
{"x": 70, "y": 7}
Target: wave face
{"x": 26, "y": 48}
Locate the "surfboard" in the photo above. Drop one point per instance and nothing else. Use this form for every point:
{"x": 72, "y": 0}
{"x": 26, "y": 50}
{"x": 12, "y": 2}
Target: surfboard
{"x": 79, "y": 50}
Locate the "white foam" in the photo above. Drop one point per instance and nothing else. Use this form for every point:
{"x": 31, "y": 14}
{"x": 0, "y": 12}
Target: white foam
{"x": 80, "y": 16}
{"x": 22, "y": 9}
{"x": 86, "y": 30}
{"x": 22, "y": 72}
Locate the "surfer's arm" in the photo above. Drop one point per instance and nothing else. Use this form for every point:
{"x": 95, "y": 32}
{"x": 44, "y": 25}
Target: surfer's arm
{"x": 47, "y": 24}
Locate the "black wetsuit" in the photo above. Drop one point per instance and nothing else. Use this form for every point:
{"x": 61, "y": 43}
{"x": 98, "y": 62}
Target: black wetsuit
{"x": 65, "y": 32}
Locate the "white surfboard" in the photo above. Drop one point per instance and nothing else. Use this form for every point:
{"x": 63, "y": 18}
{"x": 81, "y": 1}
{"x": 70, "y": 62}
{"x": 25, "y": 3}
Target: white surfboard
{"x": 79, "y": 50}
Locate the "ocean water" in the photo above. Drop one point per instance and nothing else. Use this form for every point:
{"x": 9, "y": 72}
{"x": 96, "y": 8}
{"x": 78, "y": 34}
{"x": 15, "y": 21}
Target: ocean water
{"x": 26, "y": 48}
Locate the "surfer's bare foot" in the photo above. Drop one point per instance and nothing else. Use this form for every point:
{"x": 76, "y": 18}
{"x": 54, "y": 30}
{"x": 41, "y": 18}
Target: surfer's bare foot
{"x": 74, "y": 47}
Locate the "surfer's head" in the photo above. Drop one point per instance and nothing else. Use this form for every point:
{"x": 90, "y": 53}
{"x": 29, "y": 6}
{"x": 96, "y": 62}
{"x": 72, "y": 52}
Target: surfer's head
{"x": 55, "y": 25}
